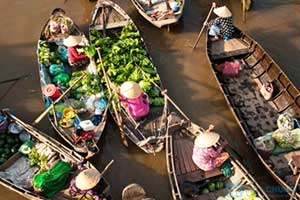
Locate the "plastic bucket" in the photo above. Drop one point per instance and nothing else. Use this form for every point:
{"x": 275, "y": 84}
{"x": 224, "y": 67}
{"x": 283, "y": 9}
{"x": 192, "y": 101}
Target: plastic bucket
{"x": 51, "y": 91}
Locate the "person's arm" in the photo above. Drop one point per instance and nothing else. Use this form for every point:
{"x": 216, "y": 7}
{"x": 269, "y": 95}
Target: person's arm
{"x": 215, "y": 153}
{"x": 75, "y": 54}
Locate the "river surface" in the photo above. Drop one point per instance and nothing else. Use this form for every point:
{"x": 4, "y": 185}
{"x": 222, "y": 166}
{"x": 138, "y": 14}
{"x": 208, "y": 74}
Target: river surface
{"x": 186, "y": 74}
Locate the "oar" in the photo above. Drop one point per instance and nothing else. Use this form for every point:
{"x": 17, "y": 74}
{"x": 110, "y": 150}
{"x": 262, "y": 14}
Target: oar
{"x": 295, "y": 187}
{"x": 204, "y": 24}
{"x": 41, "y": 116}
{"x": 109, "y": 87}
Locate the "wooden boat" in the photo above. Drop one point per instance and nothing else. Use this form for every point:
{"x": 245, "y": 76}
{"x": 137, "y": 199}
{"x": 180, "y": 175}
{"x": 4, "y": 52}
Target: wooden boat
{"x": 72, "y": 100}
{"x": 188, "y": 181}
{"x": 109, "y": 20}
{"x": 20, "y": 183}
{"x": 256, "y": 115}
{"x": 158, "y": 14}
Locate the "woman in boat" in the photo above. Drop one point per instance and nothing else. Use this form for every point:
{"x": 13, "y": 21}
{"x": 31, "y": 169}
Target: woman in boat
{"x": 222, "y": 26}
{"x": 134, "y": 99}
{"x": 59, "y": 26}
{"x": 76, "y": 56}
{"x": 206, "y": 154}
{"x": 84, "y": 185}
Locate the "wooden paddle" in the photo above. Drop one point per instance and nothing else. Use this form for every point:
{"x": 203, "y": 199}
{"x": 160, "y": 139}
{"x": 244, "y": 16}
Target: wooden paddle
{"x": 109, "y": 87}
{"x": 204, "y": 24}
{"x": 295, "y": 188}
{"x": 43, "y": 114}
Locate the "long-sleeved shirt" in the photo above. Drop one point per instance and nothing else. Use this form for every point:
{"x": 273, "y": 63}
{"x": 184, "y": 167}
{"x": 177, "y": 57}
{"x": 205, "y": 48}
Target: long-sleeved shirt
{"x": 205, "y": 158}
{"x": 225, "y": 25}
{"x": 73, "y": 54}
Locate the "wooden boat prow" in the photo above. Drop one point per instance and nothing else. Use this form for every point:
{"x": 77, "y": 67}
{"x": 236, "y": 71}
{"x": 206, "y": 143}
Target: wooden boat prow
{"x": 256, "y": 115}
{"x": 182, "y": 170}
{"x": 165, "y": 20}
{"x": 109, "y": 15}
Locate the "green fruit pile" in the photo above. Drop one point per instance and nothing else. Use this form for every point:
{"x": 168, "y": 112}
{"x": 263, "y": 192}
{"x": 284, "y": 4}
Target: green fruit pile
{"x": 46, "y": 56}
{"x": 9, "y": 145}
{"x": 213, "y": 186}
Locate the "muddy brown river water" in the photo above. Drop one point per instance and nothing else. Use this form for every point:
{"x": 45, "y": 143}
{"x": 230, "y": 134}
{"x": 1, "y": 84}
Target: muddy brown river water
{"x": 186, "y": 74}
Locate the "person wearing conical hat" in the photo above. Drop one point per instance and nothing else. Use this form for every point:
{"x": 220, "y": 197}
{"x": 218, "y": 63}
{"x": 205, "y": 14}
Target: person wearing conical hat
{"x": 86, "y": 185}
{"x": 222, "y": 26}
{"x": 134, "y": 99}
{"x": 134, "y": 191}
{"x": 207, "y": 155}
{"x": 76, "y": 56}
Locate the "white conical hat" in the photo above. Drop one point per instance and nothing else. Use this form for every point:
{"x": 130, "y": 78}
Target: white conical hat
{"x": 73, "y": 40}
{"x": 130, "y": 90}
{"x": 133, "y": 192}
{"x": 87, "y": 179}
{"x": 206, "y": 139}
{"x": 222, "y": 12}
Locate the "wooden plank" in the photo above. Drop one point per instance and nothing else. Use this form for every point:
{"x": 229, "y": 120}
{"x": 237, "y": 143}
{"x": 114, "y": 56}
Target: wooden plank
{"x": 112, "y": 25}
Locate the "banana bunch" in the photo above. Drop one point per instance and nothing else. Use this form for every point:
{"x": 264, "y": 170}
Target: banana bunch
{"x": 46, "y": 56}
{"x": 44, "y": 150}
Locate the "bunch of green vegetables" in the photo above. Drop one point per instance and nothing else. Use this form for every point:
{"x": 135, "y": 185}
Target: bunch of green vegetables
{"x": 46, "y": 56}
{"x": 37, "y": 159}
{"x": 126, "y": 59}
{"x": 89, "y": 85}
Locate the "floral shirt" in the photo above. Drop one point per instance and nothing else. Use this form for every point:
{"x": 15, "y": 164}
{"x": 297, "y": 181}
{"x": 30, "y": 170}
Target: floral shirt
{"x": 204, "y": 158}
{"x": 225, "y": 25}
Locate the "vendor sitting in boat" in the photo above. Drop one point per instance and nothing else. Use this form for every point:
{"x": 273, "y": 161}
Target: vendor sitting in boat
{"x": 85, "y": 185}
{"x": 76, "y": 56}
{"x": 206, "y": 155}
{"x": 59, "y": 26}
{"x": 134, "y": 99}
{"x": 222, "y": 26}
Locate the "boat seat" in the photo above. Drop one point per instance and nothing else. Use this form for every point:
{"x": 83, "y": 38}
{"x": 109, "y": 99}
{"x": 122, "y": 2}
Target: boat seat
{"x": 185, "y": 167}
{"x": 224, "y": 49}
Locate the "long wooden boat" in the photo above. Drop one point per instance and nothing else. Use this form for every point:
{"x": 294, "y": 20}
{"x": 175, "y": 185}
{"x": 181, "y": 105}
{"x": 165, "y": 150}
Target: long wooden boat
{"x": 16, "y": 172}
{"x": 158, "y": 13}
{"x": 256, "y": 116}
{"x": 108, "y": 22}
{"x": 51, "y": 52}
{"x": 189, "y": 182}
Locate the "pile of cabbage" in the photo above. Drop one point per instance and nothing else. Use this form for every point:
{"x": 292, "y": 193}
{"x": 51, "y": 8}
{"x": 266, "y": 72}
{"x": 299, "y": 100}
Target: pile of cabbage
{"x": 125, "y": 59}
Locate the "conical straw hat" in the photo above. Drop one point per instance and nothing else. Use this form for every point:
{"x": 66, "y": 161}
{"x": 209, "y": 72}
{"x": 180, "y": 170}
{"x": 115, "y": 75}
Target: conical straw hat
{"x": 73, "y": 40}
{"x": 130, "y": 90}
{"x": 87, "y": 179}
{"x": 133, "y": 192}
{"x": 222, "y": 12}
{"x": 206, "y": 139}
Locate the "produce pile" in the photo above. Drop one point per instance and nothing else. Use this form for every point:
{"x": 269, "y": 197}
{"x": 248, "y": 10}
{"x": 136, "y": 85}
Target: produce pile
{"x": 213, "y": 186}
{"x": 126, "y": 59}
{"x": 9, "y": 145}
{"x": 240, "y": 195}
{"x": 88, "y": 86}
{"x": 46, "y": 56}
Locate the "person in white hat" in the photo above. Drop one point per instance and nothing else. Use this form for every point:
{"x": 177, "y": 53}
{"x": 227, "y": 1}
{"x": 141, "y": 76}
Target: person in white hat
{"x": 206, "y": 155}
{"x": 134, "y": 192}
{"x": 134, "y": 99}
{"x": 222, "y": 26}
{"x": 76, "y": 56}
{"x": 85, "y": 185}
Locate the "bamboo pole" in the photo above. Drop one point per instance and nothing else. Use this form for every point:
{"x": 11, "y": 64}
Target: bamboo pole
{"x": 204, "y": 24}
{"x": 43, "y": 114}
{"x": 109, "y": 87}
{"x": 295, "y": 188}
